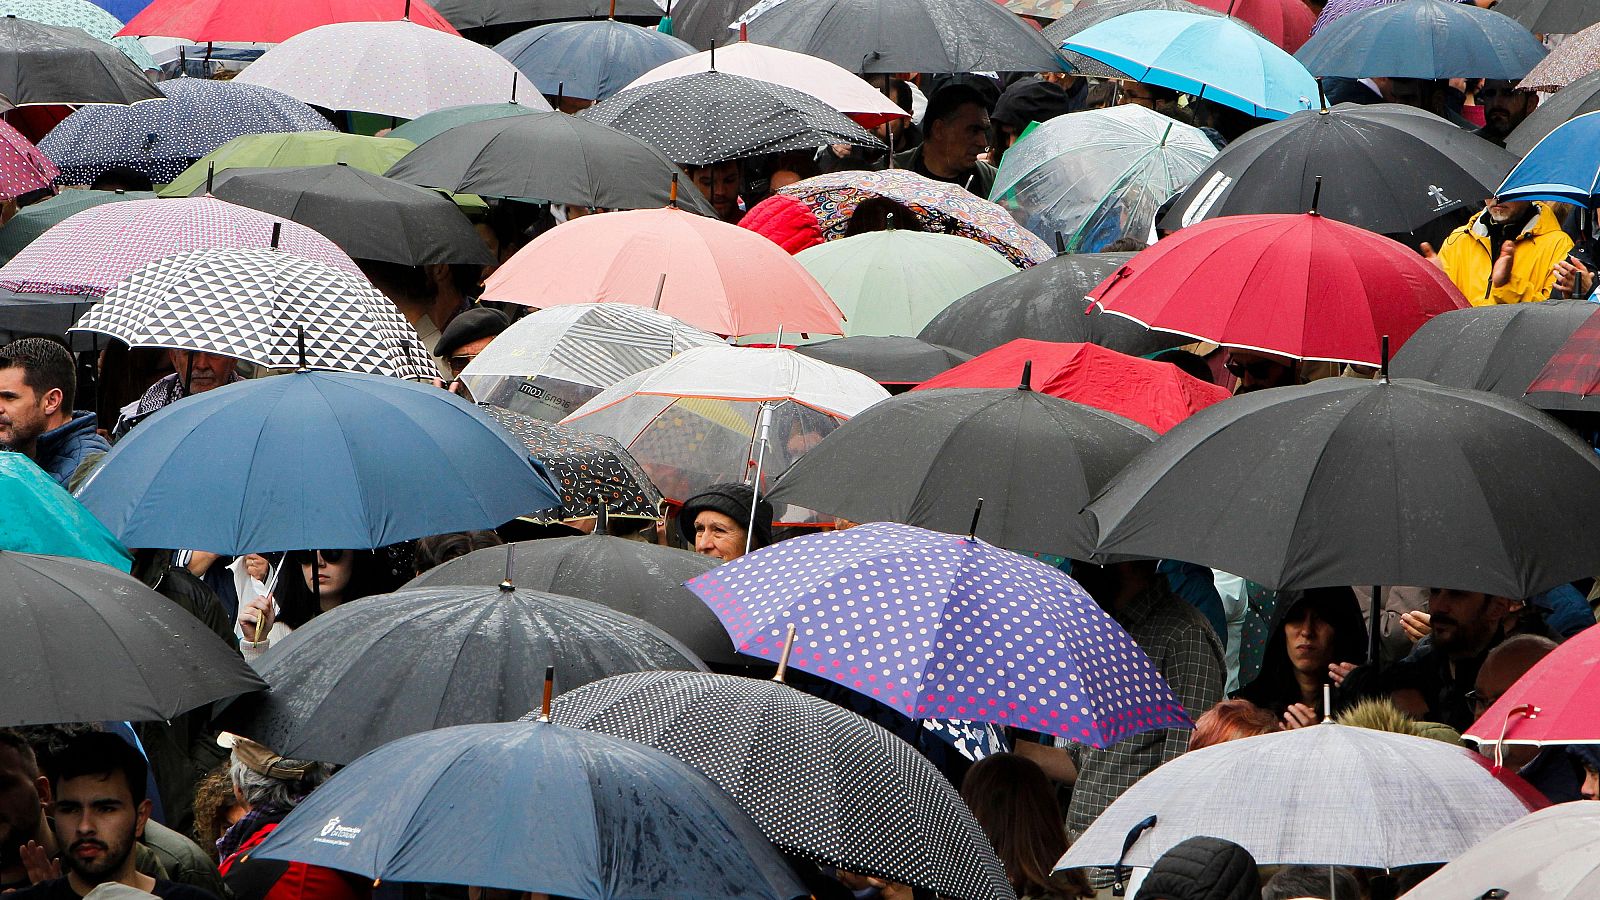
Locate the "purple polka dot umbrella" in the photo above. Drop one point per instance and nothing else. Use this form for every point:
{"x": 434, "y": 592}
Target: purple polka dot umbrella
{"x": 939, "y": 626}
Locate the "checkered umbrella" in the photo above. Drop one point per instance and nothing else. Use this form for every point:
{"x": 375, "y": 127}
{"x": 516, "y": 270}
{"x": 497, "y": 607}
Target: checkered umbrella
{"x": 271, "y": 308}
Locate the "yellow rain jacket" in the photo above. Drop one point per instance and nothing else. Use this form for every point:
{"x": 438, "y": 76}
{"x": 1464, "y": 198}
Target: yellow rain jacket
{"x": 1469, "y": 260}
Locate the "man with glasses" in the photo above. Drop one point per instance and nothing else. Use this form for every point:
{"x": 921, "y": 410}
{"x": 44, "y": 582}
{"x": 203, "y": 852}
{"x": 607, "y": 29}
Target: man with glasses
{"x": 1554, "y": 772}
{"x": 467, "y": 335}
{"x": 1504, "y": 108}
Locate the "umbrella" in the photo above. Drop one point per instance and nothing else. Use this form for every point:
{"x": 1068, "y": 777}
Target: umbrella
{"x": 886, "y": 360}
{"x": 274, "y": 309}
{"x": 1561, "y": 167}
{"x": 939, "y": 206}
{"x": 34, "y": 220}
{"x": 1210, "y": 57}
{"x": 1348, "y": 481}
{"x": 1095, "y": 176}
{"x": 161, "y": 138}
{"x": 894, "y": 282}
{"x": 709, "y": 274}
{"x": 1549, "y": 704}
{"x": 705, "y": 23}
{"x": 1431, "y": 168}
{"x": 934, "y": 625}
{"x": 924, "y": 459}
{"x": 1573, "y": 58}
{"x": 287, "y": 151}
{"x": 51, "y": 64}
{"x": 1335, "y": 10}
{"x": 1500, "y": 349}
{"x": 847, "y": 794}
{"x": 429, "y": 124}
{"x": 85, "y": 15}
{"x": 1579, "y": 97}
{"x": 84, "y": 642}
{"x": 1247, "y": 282}
{"x": 397, "y": 69}
{"x": 552, "y": 361}
{"x": 368, "y": 216}
{"x": 312, "y": 459}
{"x": 588, "y": 60}
{"x": 1286, "y": 23}
{"x": 43, "y": 518}
{"x": 642, "y": 580}
{"x": 547, "y": 157}
{"x": 710, "y": 117}
{"x": 1157, "y": 395}
{"x": 1373, "y": 799}
{"x": 23, "y": 168}
{"x": 1550, "y": 16}
{"x": 1084, "y": 15}
{"x": 271, "y": 21}
{"x": 123, "y": 9}
{"x": 906, "y": 35}
{"x": 1046, "y": 303}
{"x": 593, "y": 817}
{"x": 693, "y": 421}
{"x": 1549, "y": 854}
{"x": 1569, "y": 380}
{"x": 492, "y": 13}
{"x": 370, "y": 672}
{"x": 591, "y": 471}
{"x": 1422, "y": 39}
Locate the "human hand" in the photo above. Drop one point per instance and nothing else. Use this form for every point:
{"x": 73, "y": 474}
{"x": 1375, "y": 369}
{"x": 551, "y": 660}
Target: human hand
{"x": 840, "y": 150}
{"x": 1501, "y": 274}
{"x": 257, "y": 567}
{"x": 1427, "y": 253}
{"x": 1299, "y": 715}
{"x": 1416, "y": 624}
{"x": 1337, "y": 672}
{"x": 256, "y": 618}
{"x": 38, "y": 863}
{"x": 199, "y": 562}
{"x": 1573, "y": 278}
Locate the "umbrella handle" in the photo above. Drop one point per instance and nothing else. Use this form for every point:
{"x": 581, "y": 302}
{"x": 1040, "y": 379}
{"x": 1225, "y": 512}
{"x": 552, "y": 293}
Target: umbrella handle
{"x": 549, "y": 688}
{"x": 1526, "y": 709}
{"x": 783, "y": 661}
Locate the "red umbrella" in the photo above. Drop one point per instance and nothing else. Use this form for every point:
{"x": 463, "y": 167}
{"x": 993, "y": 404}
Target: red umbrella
{"x": 1286, "y": 23}
{"x": 1301, "y": 286}
{"x": 1553, "y": 702}
{"x": 1572, "y": 376}
{"x": 270, "y": 21}
{"x": 1157, "y": 395}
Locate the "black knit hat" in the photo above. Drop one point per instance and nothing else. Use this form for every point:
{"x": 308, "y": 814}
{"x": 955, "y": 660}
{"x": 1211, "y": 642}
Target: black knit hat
{"x": 472, "y": 325}
{"x": 1203, "y": 868}
{"x": 1031, "y": 100}
{"x": 732, "y": 500}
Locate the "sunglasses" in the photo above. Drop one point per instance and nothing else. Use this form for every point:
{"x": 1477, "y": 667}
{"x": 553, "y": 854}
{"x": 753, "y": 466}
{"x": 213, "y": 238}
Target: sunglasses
{"x": 331, "y": 557}
{"x": 1480, "y": 701}
{"x": 1259, "y": 369}
{"x": 460, "y": 362}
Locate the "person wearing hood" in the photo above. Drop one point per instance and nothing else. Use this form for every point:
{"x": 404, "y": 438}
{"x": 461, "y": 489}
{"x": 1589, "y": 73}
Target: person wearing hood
{"x": 37, "y": 387}
{"x": 1203, "y": 868}
{"x": 1310, "y": 637}
{"x": 1507, "y": 253}
{"x": 717, "y": 522}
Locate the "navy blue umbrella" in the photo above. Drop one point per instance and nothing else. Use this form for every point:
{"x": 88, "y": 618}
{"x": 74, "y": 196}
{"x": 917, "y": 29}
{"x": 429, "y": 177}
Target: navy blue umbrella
{"x": 534, "y": 807}
{"x": 1422, "y": 39}
{"x": 311, "y": 460}
{"x": 589, "y": 60}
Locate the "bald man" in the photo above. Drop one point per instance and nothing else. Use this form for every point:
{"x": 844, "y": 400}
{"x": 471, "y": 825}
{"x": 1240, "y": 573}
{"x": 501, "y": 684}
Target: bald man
{"x": 1552, "y": 770}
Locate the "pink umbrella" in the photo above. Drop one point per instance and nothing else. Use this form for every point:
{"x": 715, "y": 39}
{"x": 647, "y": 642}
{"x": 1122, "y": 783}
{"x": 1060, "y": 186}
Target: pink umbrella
{"x": 23, "y": 169}
{"x": 717, "y": 277}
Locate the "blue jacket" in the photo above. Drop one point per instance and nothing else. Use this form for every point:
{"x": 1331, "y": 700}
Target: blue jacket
{"x": 61, "y": 450}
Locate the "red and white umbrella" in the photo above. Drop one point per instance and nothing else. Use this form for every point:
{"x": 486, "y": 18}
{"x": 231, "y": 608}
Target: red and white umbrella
{"x": 23, "y": 167}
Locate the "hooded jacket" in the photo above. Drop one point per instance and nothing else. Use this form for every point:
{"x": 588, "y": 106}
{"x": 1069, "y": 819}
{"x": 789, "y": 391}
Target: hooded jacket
{"x": 1469, "y": 260}
{"x": 63, "y": 448}
{"x": 1203, "y": 868}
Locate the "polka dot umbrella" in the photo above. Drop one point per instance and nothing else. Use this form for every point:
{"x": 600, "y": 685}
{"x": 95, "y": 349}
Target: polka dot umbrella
{"x": 939, "y": 626}
{"x": 23, "y": 168}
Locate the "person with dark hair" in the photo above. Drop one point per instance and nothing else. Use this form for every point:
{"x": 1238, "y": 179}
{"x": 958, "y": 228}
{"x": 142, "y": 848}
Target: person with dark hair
{"x": 1311, "y": 634}
{"x": 719, "y": 183}
{"x": 881, "y": 214}
{"x": 716, "y": 522}
{"x": 467, "y": 335}
{"x": 956, "y": 130}
{"x": 38, "y": 385}
{"x": 896, "y": 134}
{"x": 1023, "y": 103}
{"x": 340, "y": 577}
{"x": 1312, "y": 883}
{"x": 436, "y": 550}
{"x": 1150, "y": 96}
{"x": 1015, "y": 805}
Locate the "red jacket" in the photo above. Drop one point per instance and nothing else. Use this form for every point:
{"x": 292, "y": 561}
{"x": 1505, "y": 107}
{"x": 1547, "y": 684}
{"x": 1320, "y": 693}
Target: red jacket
{"x": 271, "y": 879}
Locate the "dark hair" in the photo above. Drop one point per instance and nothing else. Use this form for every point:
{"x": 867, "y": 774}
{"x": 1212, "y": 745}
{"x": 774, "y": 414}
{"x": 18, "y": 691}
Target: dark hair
{"x": 370, "y": 574}
{"x": 1193, "y": 364}
{"x": 398, "y": 282}
{"x": 1124, "y": 245}
{"x": 948, "y": 101}
{"x": 1015, "y": 804}
{"x": 46, "y": 366}
{"x": 122, "y": 178}
{"x": 1275, "y": 687}
{"x": 100, "y": 753}
{"x": 1326, "y": 882}
{"x": 872, "y": 214}
{"x": 438, "y": 549}
{"x": 16, "y": 743}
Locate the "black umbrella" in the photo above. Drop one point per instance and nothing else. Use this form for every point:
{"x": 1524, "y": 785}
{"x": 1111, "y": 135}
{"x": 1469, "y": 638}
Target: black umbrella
{"x": 1047, "y": 303}
{"x": 1579, "y": 97}
{"x": 46, "y": 64}
{"x": 632, "y": 577}
{"x": 709, "y": 117}
{"x": 890, "y": 361}
{"x": 927, "y": 457}
{"x": 464, "y": 14}
{"x": 820, "y": 781}
{"x": 704, "y": 23}
{"x": 368, "y": 216}
{"x": 383, "y": 667}
{"x": 1490, "y": 348}
{"x": 548, "y": 157}
{"x": 1085, "y": 15}
{"x": 1551, "y": 16}
{"x": 592, "y": 472}
{"x": 83, "y": 642}
{"x": 1386, "y": 168}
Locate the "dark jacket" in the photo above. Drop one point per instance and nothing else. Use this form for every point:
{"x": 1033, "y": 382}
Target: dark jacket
{"x": 980, "y": 182}
{"x": 63, "y": 448}
{"x": 1275, "y": 687}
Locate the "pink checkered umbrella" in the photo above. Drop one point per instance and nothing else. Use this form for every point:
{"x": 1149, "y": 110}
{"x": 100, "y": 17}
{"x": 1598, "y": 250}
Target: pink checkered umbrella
{"x": 23, "y": 169}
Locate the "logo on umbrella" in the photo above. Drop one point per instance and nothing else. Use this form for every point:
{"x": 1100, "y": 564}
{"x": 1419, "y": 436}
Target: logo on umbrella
{"x": 1440, "y": 201}
{"x": 336, "y": 834}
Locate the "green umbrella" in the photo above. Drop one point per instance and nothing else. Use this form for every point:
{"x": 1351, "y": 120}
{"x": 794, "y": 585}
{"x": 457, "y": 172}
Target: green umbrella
{"x": 429, "y": 124}
{"x": 34, "y": 220}
{"x": 41, "y": 517}
{"x": 81, "y": 14}
{"x": 282, "y": 151}
{"x": 894, "y": 282}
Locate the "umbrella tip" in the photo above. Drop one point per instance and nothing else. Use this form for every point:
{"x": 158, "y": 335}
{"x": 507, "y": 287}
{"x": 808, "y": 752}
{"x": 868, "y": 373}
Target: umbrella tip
{"x": 300, "y": 345}
{"x": 1383, "y": 360}
{"x": 1316, "y": 195}
{"x": 977, "y": 513}
{"x": 783, "y": 661}
{"x": 1027, "y": 380}
{"x": 602, "y": 521}
{"x": 1061, "y": 244}
{"x": 507, "y": 584}
{"x": 549, "y": 688}
{"x": 672, "y": 198}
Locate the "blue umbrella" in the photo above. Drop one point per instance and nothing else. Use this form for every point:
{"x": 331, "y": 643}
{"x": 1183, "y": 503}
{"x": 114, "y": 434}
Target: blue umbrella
{"x": 589, "y": 60}
{"x": 534, "y": 807}
{"x": 123, "y": 9}
{"x": 1422, "y": 39}
{"x": 311, "y": 460}
{"x": 1562, "y": 167}
{"x": 41, "y": 517}
{"x": 938, "y": 626}
{"x": 1212, "y": 57}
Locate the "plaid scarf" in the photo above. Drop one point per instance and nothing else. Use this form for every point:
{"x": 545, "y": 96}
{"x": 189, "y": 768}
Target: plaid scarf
{"x": 244, "y": 829}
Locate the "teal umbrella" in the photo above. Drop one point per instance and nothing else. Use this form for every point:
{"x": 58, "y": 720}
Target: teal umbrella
{"x": 429, "y": 124}
{"x": 41, "y": 517}
{"x": 35, "y": 220}
{"x": 81, "y": 14}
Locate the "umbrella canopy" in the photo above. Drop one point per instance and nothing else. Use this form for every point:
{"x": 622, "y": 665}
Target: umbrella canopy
{"x": 1286, "y": 23}
{"x": 1561, "y": 167}
{"x": 1579, "y": 97}
{"x": 1402, "y": 801}
{"x": 274, "y": 309}
{"x": 1348, "y": 481}
{"x": 935, "y": 625}
{"x": 1500, "y": 349}
{"x": 894, "y": 282}
{"x": 1245, "y": 281}
{"x": 1335, "y": 10}
{"x": 333, "y": 461}
{"x": 1548, "y": 854}
{"x": 704, "y": 23}
{"x": 1211, "y": 57}
{"x": 81, "y": 14}
{"x": 397, "y": 69}
{"x": 642, "y": 580}
{"x": 1569, "y": 379}
{"x": 271, "y": 21}
{"x": 924, "y": 459}
{"x": 611, "y": 819}
{"x": 23, "y": 168}
{"x": 886, "y": 360}
{"x": 51, "y": 64}
{"x": 367, "y": 673}
{"x": 591, "y": 471}
{"x": 34, "y": 220}
{"x": 1575, "y": 57}
{"x": 1047, "y": 303}
{"x": 1549, "y": 703}
{"x": 709, "y": 117}
{"x": 43, "y": 518}
{"x": 1089, "y": 178}
{"x": 712, "y": 275}
{"x": 1551, "y": 16}
{"x": 589, "y": 60}
{"x": 893, "y": 816}
{"x": 491, "y": 13}
{"x": 287, "y": 151}
{"x": 1084, "y": 15}
{"x": 552, "y": 361}
{"x": 1431, "y": 168}
{"x": 1157, "y": 395}
{"x": 548, "y": 157}
{"x": 84, "y": 642}
{"x": 429, "y": 124}
{"x": 368, "y": 216}
{"x": 1422, "y": 39}
{"x": 940, "y": 206}
{"x": 907, "y": 35}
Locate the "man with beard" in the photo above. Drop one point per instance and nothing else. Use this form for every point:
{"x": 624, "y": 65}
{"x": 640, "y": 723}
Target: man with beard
{"x": 1507, "y": 253}
{"x": 1257, "y": 371}
{"x": 1504, "y": 108}
{"x": 22, "y": 821}
{"x": 1436, "y": 681}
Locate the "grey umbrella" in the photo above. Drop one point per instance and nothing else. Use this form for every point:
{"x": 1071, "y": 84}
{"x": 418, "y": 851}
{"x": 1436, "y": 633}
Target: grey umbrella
{"x": 704, "y": 23}
{"x": 1551, "y": 16}
{"x": 465, "y": 14}
{"x": 45, "y": 64}
{"x": 1579, "y": 97}
{"x": 890, "y": 360}
{"x": 1501, "y": 349}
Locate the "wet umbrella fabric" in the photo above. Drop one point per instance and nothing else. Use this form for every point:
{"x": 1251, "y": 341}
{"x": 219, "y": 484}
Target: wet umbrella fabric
{"x": 1573, "y": 58}
{"x": 1569, "y": 380}
{"x": 886, "y": 360}
{"x": 589, "y": 60}
{"x": 819, "y": 780}
{"x": 48, "y": 64}
{"x": 591, "y": 471}
{"x": 1430, "y": 39}
{"x": 24, "y": 169}
{"x": 41, "y": 517}
{"x": 85, "y": 15}
{"x": 1500, "y": 349}
{"x": 1083, "y": 15}
{"x": 84, "y": 642}
{"x": 1549, "y": 703}
{"x": 490, "y": 13}
{"x": 1561, "y": 167}
{"x": 1547, "y": 854}
{"x": 1286, "y": 23}
{"x": 34, "y": 220}
{"x": 270, "y": 21}
{"x": 1335, "y": 10}
{"x": 703, "y": 23}
{"x": 289, "y": 150}
{"x": 1579, "y": 97}
{"x": 1551, "y": 16}
{"x": 429, "y": 124}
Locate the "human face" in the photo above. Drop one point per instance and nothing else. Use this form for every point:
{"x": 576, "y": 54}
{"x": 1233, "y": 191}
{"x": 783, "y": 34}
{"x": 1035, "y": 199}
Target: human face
{"x": 963, "y": 136}
{"x": 1137, "y": 94}
{"x": 466, "y": 353}
{"x": 720, "y": 185}
{"x": 1257, "y": 371}
{"x": 1309, "y": 639}
{"x": 333, "y": 573}
{"x": 22, "y": 797}
{"x": 205, "y": 371}
{"x": 717, "y": 535}
{"x": 1591, "y": 784}
{"x": 1504, "y": 107}
{"x": 1502, "y": 211}
{"x": 97, "y": 823}
{"x": 1464, "y": 621}
{"x": 24, "y": 412}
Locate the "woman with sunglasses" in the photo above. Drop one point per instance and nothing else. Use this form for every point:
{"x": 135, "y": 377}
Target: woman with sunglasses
{"x": 341, "y": 576}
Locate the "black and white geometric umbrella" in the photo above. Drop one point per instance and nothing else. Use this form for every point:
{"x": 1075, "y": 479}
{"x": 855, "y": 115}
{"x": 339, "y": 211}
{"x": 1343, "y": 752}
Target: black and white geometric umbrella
{"x": 591, "y": 471}
{"x": 821, "y": 781}
{"x": 260, "y": 306}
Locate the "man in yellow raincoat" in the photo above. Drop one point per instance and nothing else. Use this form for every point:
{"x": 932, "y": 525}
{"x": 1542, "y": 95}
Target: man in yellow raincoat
{"x": 1505, "y": 254}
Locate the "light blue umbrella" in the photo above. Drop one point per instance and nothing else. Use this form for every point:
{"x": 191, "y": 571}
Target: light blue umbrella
{"x": 1562, "y": 167}
{"x": 1422, "y": 39}
{"x": 589, "y": 60}
{"x": 1211, "y": 57}
{"x": 41, "y": 517}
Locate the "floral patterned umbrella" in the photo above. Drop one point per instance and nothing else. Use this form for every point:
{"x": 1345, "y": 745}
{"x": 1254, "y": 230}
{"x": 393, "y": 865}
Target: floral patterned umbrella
{"x": 584, "y": 468}
{"x": 1576, "y": 57}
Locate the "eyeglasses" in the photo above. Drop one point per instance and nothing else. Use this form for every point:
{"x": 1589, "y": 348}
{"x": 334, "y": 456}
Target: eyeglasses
{"x": 460, "y": 362}
{"x": 1259, "y": 369}
{"x": 331, "y": 557}
{"x": 1480, "y": 701}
